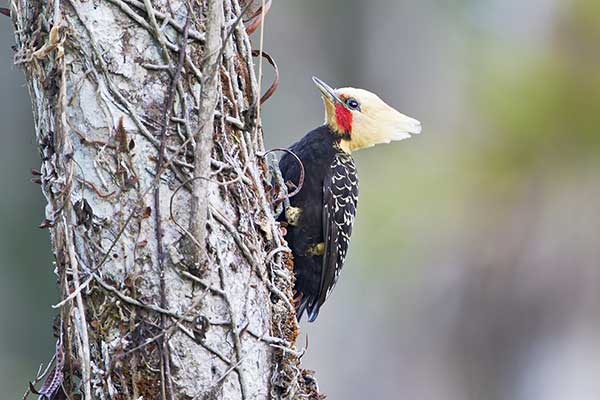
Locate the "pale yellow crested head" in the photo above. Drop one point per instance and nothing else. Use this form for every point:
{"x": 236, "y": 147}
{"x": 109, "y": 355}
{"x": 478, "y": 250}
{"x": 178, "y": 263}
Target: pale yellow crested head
{"x": 363, "y": 119}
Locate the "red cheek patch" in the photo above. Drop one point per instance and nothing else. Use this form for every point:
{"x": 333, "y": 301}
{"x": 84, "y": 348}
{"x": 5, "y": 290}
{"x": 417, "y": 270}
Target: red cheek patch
{"x": 343, "y": 118}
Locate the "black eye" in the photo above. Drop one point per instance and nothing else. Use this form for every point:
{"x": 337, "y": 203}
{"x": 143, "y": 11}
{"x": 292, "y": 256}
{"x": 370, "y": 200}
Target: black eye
{"x": 352, "y": 104}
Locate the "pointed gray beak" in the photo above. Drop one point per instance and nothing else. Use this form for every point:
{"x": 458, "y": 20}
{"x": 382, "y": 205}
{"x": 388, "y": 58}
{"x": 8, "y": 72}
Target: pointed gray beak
{"x": 326, "y": 91}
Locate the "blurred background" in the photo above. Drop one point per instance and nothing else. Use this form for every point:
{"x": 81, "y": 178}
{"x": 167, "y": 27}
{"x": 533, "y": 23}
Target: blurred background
{"x": 474, "y": 271}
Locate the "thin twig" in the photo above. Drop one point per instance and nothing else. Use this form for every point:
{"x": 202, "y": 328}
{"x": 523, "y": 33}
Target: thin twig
{"x": 137, "y": 18}
{"x": 161, "y": 156}
{"x": 249, "y": 257}
{"x": 86, "y": 368}
{"x": 186, "y": 184}
{"x": 276, "y": 250}
{"x": 237, "y": 343}
{"x": 206, "y": 285}
{"x": 300, "y": 179}
{"x": 137, "y": 303}
{"x": 74, "y": 293}
{"x": 166, "y": 332}
{"x": 192, "y": 33}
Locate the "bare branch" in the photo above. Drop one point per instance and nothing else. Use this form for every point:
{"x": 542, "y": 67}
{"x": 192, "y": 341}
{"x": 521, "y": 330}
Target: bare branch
{"x": 204, "y": 142}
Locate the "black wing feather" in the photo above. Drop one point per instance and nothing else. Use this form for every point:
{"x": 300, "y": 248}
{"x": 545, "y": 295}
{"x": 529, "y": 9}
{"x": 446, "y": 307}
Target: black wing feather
{"x": 340, "y": 197}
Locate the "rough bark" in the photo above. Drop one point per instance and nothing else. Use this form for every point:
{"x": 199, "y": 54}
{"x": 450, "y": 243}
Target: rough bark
{"x": 174, "y": 277}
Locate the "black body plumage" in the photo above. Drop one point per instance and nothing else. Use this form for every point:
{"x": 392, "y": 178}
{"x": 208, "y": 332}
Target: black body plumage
{"x": 320, "y": 235}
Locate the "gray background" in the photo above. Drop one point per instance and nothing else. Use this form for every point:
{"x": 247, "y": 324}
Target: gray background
{"x": 473, "y": 272}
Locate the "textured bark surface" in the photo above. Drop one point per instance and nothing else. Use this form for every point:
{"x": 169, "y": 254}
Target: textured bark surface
{"x": 174, "y": 277}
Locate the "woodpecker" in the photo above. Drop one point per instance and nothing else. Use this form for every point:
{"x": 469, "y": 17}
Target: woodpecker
{"x": 320, "y": 216}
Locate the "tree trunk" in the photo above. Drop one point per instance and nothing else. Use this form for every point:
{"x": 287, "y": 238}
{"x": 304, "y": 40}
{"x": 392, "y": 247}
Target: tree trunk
{"x": 174, "y": 276}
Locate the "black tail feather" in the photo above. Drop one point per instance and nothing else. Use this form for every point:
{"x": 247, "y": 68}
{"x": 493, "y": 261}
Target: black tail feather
{"x": 311, "y": 305}
{"x": 313, "y": 311}
{"x": 300, "y": 308}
